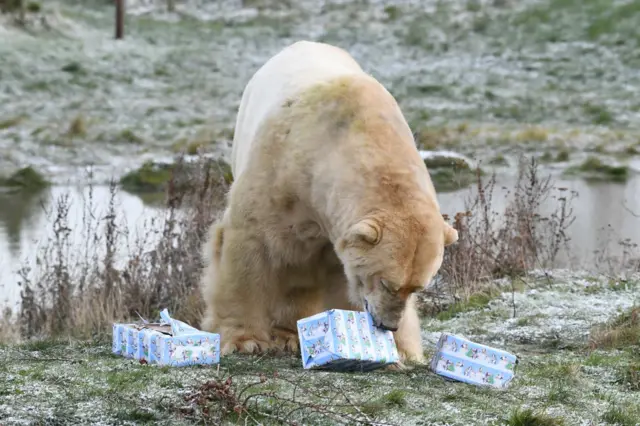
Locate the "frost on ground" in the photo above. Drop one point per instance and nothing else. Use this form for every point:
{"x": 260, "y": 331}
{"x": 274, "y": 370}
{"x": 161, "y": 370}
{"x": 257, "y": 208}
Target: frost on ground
{"x": 71, "y": 95}
{"x": 67, "y": 383}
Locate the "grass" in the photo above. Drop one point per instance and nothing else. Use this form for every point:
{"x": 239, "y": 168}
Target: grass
{"x": 27, "y": 179}
{"x": 529, "y": 417}
{"x": 11, "y": 122}
{"x": 593, "y": 168}
{"x": 623, "y": 416}
{"x": 623, "y": 331}
{"x": 475, "y": 301}
{"x": 450, "y": 173}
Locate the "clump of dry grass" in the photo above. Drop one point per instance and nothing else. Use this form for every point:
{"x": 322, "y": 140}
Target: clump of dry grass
{"x": 493, "y": 245}
{"x": 623, "y": 331}
{"x": 83, "y": 296}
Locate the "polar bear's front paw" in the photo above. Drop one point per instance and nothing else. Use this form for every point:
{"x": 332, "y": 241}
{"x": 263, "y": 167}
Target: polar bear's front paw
{"x": 245, "y": 344}
{"x": 285, "y": 340}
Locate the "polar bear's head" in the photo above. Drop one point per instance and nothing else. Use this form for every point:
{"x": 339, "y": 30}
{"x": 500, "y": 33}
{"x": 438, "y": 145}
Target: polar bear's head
{"x": 387, "y": 259}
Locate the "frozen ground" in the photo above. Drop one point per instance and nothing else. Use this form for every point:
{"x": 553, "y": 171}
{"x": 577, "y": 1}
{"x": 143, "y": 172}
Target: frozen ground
{"x": 71, "y": 95}
{"x": 72, "y": 383}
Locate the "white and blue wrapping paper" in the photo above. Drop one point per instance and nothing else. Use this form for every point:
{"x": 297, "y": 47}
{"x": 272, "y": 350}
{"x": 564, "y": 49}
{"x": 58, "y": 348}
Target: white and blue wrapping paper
{"x": 169, "y": 342}
{"x": 460, "y": 359}
{"x": 344, "y": 340}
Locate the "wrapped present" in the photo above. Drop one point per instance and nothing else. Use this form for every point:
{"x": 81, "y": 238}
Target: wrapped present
{"x": 459, "y": 359}
{"x": 344, "y": 341}
{"x": 169, "y": 342}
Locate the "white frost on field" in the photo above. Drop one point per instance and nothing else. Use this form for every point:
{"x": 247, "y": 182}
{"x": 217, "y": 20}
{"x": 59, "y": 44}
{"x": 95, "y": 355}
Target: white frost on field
{"x": 561, "y": 310}
{"x": 171, "y": 77}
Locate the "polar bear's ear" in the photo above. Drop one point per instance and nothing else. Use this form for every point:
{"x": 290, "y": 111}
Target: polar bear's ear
{"x": 366, "y": 230}
{"x": 450, "y": 234}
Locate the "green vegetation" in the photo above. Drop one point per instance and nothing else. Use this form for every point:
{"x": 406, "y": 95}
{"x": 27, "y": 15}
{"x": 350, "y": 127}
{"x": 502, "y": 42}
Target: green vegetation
{"x": 128, "y": 136}
{"x": 10, "y": 122}
{"x": 529, "y": 417}
{"x": 450, "y": 173}
{"x": 475, "y": 301}
{"x": 78, "y": 127}
{"x": 26, "y": 178}
{"x": 594, "y": 169}
{"x": 154, "y": 177}
{"x": 150, "y": 177}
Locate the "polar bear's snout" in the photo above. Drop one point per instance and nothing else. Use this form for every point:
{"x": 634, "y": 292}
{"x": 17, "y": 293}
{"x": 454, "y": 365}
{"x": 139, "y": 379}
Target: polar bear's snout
{"x": 385, "y": 308}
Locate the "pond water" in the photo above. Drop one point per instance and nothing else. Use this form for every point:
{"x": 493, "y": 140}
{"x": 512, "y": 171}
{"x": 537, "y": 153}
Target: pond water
{"x": 604, "y": 212}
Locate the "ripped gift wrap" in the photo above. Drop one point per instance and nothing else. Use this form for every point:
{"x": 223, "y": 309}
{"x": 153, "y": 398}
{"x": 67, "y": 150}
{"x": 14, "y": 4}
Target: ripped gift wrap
{"x": 457, "y": 358}
{"x": 344, "y": 340}
{"x": 169, "y": 342}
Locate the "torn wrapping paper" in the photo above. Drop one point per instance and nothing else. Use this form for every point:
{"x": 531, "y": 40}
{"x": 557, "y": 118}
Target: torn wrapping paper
{"x": 460, "y": 359}
{"x": 169, "y": 342}
{"x": 344, "y": 341}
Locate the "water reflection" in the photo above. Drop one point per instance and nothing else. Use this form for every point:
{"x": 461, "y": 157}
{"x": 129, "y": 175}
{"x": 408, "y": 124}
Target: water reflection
{"x": 26, "y": 220}
{"x": 26, "y": 226}
{"x": 604, "y": 215}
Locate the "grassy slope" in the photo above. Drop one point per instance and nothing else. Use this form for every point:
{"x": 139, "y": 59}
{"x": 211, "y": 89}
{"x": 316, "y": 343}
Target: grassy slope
{"x": 80, "y": 382}
{"x": 483, "y": 71}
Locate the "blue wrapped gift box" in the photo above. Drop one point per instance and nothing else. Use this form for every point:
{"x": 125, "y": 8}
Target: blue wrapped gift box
{"x": 460, "y": 359}
{"x": 170, "y": 342}
{"x": 344, "y": 340}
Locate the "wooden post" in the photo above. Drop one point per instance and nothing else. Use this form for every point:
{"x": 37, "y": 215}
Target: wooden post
{"x": 119, "y": 19}
{"x": 171, "y": 5}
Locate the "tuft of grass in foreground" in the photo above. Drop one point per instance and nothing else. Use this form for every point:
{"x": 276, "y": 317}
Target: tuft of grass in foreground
{"x": 528, "y": 417}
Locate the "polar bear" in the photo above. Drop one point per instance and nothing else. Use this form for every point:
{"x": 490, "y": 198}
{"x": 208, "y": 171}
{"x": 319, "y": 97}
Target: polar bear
{"x": 331, "y": 207}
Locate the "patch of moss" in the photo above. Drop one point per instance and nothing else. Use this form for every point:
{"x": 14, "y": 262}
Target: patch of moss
{"x": 528, "y": 417}
{"x": 150, "y": 177}
{"x": 128, "y": 136}
{"x": 154, "y": 177}
{"x": 563, "y": 156}
{"x": 73, "y": 68}
{"x": 546, "y": 157}
{"x": 593, "y": 168}
{"x": 392, "y": 12}
{"x": 395, "y": 398}
{"x": 499, "y": 160}
{"x": 34, "y": 7}
{"x": 450, "y": 173}
{"x": 599, "y": 114}
{"x": 26, "y": 178}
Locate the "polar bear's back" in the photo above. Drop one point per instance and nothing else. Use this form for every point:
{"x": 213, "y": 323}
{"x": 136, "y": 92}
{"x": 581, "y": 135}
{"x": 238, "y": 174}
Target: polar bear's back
{"x": 290, "y": 71}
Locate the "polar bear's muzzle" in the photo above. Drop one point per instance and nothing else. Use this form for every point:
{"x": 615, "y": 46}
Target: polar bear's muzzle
{"x": 385, "y": 312}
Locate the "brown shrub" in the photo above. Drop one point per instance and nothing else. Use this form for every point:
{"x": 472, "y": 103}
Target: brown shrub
{"x": 82, "y": 297}
{"x": 493, "y": 245}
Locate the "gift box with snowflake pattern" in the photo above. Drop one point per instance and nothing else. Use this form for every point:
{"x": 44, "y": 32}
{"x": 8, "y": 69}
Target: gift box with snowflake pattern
{"x": 169, "y": 342}
{"x": 344, "y": 341}
{"x": 460, "y": 359}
